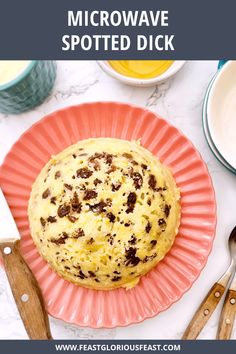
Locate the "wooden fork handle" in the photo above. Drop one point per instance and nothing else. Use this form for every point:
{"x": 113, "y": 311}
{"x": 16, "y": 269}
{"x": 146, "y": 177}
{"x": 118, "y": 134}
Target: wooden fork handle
{"x": 26, "y": 292}
{"x": 227, "y": 316}
{"x": 204, "y": 311}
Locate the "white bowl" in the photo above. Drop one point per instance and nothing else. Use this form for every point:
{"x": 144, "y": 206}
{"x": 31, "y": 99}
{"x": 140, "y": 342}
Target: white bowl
{"x": 207, "y": 134}
{"x": 221, "y": 112}
{"x": 173, "y": 69}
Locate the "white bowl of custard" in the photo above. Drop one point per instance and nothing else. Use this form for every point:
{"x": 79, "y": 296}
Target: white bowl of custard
{"x": 141, "y": 72}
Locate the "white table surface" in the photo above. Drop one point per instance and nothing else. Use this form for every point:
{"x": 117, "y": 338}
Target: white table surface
{"x": 179, "y": 101}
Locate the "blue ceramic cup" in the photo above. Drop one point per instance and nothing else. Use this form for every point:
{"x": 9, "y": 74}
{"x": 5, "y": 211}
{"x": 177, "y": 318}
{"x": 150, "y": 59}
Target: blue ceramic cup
{"x": 29, "y": 88}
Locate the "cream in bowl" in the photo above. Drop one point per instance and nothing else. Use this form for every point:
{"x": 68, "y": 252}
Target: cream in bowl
{"x": 141, "y": 72}
{"x": 10, "y": 69}
{"x": 221, "y": 112}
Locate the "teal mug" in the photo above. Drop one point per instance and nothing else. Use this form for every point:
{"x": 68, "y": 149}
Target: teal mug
{"x": 30, "y": 88}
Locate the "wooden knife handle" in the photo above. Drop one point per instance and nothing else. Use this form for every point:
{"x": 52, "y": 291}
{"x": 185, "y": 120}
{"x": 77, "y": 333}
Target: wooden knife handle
{"x": 26, "y": 292}
{"x": 204, "y": 311}
{"x": 227, "y": 316}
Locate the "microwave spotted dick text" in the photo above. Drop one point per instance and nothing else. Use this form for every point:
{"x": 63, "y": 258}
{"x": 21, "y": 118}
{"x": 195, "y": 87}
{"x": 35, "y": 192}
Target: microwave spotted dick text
{"x": 109, "y": 24}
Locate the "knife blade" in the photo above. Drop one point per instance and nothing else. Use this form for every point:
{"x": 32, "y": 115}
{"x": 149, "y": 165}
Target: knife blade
{"x": 8, "y": 226}
{"x": 24, "y": 287}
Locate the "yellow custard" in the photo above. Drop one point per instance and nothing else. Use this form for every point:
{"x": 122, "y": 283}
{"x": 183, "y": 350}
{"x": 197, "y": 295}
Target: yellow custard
{"x": 10, "y": 69}
{"x": 141, "y": 69}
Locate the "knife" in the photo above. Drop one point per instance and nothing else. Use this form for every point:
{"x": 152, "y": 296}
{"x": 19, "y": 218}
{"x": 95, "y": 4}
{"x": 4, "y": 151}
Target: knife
{"x": 24, "y": 287}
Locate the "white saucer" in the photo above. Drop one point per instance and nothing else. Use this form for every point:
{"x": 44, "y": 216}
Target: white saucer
{"x": 173, "y": 69}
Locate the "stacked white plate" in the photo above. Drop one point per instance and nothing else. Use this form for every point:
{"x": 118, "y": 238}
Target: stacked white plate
{"x": 219, "y": 115}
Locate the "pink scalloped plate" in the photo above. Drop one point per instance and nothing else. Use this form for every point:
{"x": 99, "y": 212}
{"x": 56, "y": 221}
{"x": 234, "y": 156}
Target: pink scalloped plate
{"x": 173, "y": 276}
